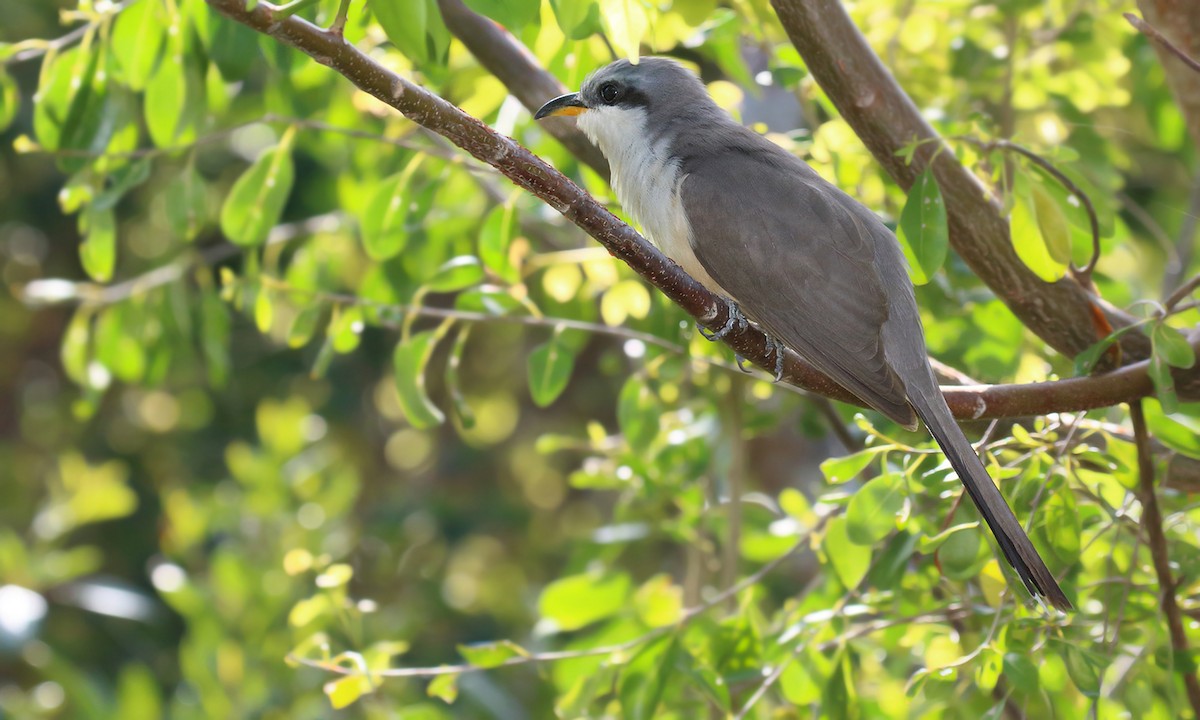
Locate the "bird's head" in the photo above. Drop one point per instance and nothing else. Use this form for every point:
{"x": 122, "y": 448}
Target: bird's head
{"x": 621, "y": 101}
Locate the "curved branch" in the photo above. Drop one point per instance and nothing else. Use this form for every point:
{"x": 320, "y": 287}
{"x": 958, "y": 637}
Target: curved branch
{"x": 513, "y": 65}
{"x": 885, "y": 118}
{"x": 535, "y": 175}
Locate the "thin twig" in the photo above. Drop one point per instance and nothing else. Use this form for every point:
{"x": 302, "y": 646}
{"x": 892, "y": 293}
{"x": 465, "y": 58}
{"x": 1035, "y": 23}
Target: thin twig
{"x": 688, "y": 616}
{"x": 1084, "y": 274}
{"x": 1149, "y": 31}
{"x": 38, "y": 48}
{"x": 1153, "y": 523}
{"x": 1181, "y": 292}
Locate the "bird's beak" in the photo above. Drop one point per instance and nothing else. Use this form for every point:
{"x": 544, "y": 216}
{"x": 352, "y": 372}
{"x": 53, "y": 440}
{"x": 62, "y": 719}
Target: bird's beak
{"x": 569, "y": 104}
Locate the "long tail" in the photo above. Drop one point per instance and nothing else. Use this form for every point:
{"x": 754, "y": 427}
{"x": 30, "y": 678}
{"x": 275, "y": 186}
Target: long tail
{"x": 1009, "y": 533}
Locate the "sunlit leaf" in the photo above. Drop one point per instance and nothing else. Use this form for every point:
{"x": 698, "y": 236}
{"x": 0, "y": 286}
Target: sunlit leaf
{"x": 923, "y": 232}
{"x": 645, "y": 679}
{"x": 495, "y": 239}
{"x": 10, "y": 100}
{"x": 577, "y": 18}
{"x": 343, "y": 692}
{"x": 255, "y": 203}
{"x": 493, "y": 654}
{"x": 98, "y": 252}
{"x": 409, "y": 364}
{"x": 849, "y": 560}
{"x": 659, "y": 601}
{"x": 843, "y": 469}
{"x": 512, "y": 14}
{"x": 444, "y": 688}
{"x": 578, "y": 600}
{"x": 384, "y": 222}
{"x": 137, "y": 41}
{"x": 1052, "y": 222}
{"x": 456, "y": 274}
{"x": 175, "y": 95}
{"x": 1028, "y": 241}
{"x": 625, "y": 24}
{"x": 138, "y": 693}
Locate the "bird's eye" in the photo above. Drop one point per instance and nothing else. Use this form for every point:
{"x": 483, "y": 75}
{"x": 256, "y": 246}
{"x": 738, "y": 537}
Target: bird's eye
{"x": 609, "y": 92}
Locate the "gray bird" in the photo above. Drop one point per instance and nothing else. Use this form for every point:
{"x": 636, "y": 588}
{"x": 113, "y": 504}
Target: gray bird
{"x": 815, "y": 269}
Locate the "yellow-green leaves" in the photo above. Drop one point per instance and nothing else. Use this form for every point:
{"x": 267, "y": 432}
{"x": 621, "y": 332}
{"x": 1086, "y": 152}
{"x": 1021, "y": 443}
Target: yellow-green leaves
{"x": 98, "y": 252}
{"x": 923, "y": 233}
{"x": 492, "y": 654}
{"x": 255, "y": 203}
{"x": 10, "y": 100}
{"x": 415, "y": 27}
{"x": 495, "y": 242}
{"x": 137, "y": 41}
{"x": 550, "y": 366}
{"x": 186, "y": 203}
{"x": 577, "y": 18}
{"x": 849, "y": 559}
{"x": 512, "y": 14}
{"x": 1040, "y": 232}
{"x": 175, "y": 101}
{"x": 575, "y": 601}
{"x": 625, "y": 24}
{"x": 1169, "y": 350}
{"x": 384, "y": 223}
{"x": 409, "y": 363}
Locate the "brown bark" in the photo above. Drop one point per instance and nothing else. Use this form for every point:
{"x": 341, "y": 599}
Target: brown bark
{"x": 1179, "y": 22}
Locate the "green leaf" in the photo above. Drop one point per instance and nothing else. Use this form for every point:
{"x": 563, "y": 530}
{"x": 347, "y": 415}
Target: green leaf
{"x": 1062, "y": 527}
{"x": 214, "y": 337}
{"x": 71, "y": 110}
{"x": 186, "y": 202}
{"x": 1179, "y": 432}
{"x": 255, "y": 203}
{"x": 175, "y": 103}
{"x": 576, "y": 601}
{"x": 929, "y": 543}
{"x": 1085, "y": 668}
{"x": 659, "y": 601}
{"x": 512, "y": 14}
{"x": 987, "y": 670}
{"x": 444, "y": 688}
{"x": 138, "y": 695}
{"x": 960, "y": 555}
{"x": 411, "y": 25}
{"x": 137, "y": 41}
{"x": 1164, "y": 384}
{"x": 1027, "y": 238}
{"x": 625, "y": 24}
{"x": 495, "y": 238}
{"x": 850, "y": 560}
{"x": 462, "y": 410}
{"x": 923, "y": 233}
{"x": 10, "y": 100}
{"x": 873, "y": 509}
{"x": 304, "y": 326}
{"x": 1021, "y": 673}
{"x": 1052, "y": 222}
{"x": 493, "y": 654}
{"x": 455, "y": 274}
{"x": 645, "y": 678}
{"x": 345, "y": 329}
{"x": 550, "y": 366}
{"x": 335, "y": 576}
{"x": 264, "y": 310}
{"x": 345, "y": 691}
{"x": 638, "y": 413}
{"x": 98, "y": 252}
{"x": 577, "y": 18}
{"x": 384, "y": 222}
{"x": 843, "y": 469}
{"x": 1172, "y": 346}
{"x": 76, "y": 346}
{"x": 409, "y": 362}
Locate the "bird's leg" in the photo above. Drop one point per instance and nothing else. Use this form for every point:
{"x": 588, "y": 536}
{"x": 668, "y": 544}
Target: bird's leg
{"x": 741, "y": 363}
{"x": 735, "y": 320}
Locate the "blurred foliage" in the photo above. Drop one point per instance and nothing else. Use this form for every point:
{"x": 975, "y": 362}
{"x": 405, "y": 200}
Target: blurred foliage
{"x": 286, "y": 382}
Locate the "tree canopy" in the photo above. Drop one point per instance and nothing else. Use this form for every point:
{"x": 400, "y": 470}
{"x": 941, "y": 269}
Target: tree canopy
{"x": 333, "y": 384}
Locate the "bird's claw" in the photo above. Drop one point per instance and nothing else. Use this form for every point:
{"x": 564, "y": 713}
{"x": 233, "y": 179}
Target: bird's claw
{"x": 776, "y": 349}
{"x": 741, "y": 363}
{"x": 735, "y": 321}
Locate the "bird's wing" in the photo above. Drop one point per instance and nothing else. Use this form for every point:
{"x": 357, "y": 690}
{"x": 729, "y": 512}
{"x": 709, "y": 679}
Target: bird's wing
{"x": 798, "y": 256}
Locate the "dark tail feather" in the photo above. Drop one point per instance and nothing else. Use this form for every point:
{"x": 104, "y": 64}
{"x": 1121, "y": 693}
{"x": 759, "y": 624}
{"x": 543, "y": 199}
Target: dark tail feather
{"x": 995, "y": 511}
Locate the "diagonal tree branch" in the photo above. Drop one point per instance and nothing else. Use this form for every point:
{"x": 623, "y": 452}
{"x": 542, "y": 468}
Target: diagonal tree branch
{"x": 1063, "y": 313}
{"x": 512, "y": 64}
{"x": 1174, "y": 25}
{"x": 530, "y": 172}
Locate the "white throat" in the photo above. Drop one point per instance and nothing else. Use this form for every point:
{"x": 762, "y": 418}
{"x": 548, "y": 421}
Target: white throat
{"x": 646, "y": 180}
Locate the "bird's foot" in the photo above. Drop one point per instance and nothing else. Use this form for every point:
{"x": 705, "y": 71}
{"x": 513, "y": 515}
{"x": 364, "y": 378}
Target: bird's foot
{"x": 735, "y": 321}
{"x": 741, "y": 363}
{"x": 776, "y": 348}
